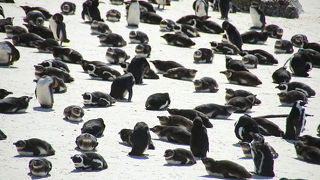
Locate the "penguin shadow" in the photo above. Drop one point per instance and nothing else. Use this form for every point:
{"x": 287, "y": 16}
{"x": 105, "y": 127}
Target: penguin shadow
{"x": 123, "y": 101}
{"x": 171, "y": 142}
{"x": 142, "y": 157}
{"x": 72, "y": 122}
{"x": 204, "y": 92}
{"x": 305, "y": 161}
{"x": 94, "y": 107}
{"x": 12, "y": 113}
{"x": 254, "y": 176}
{"x": 83, "y": 170}
{"x": 38, "y": 177}
{"x": 300, "y": 77}
{"x": 8, "y": 67}
{"x": 132, "y": 27}
{"x": 245, "y": 158}
{"x": 41, "y": 109}
{"x": 236, "y": 144}
{"x": 220, "y": 119}
{"x": 124, "y": 144}
{"x": 79, "y": 150}
{"x": 291, "y": 141}
{"x": 212, "y": 177}
{"x": 86, "y": 22}
{"x": 178, "y": 165}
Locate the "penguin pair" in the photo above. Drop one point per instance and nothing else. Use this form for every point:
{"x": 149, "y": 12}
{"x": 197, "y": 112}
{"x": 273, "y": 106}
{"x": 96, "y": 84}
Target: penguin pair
{"x": 90, "y": 11}
{"x": 58, "y": 28}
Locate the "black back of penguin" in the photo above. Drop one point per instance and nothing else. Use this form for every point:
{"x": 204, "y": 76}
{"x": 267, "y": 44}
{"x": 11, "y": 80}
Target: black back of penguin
{"x": 295, "y": 121}
{"x": 91, "y": 11}
{"x": 121, "y": 85}
{"x": 244, "y": 127}
{"x": 158, "y": 101}
{"x": 199, "y": 143}
{"x": 262, "y": 158}
{"x": 224, "y": 6}
{"x": 140, "y": 139}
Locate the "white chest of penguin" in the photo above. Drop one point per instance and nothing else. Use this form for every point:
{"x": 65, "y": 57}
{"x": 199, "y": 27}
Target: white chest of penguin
{"x": 255, "y": 17}
{"x": 133, "y": 15}
{"x": 44, "y": 91}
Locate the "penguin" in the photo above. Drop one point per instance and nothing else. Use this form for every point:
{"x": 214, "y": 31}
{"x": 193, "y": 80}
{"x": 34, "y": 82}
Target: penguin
{"x": 66, "y": 55}
{"x": 89, "y": 161}
{"x": 116, "y": 2}
{"x": 290, "y": 97}
{"x": 300, "y": 65}
{"x": 58, "y": 85}
{"x": 245, "y": 127}
{"x": 179, "y": 156}
{"x": 150, "y": 17}
{"x": 173, "y": 134}
{"x": 163, "y": 3}
{"x": 257, "y": 16}
{"x": 200, "y": 7}
{"x": 140, "y": 139}
{"x": 233, "y": 34}
{"x": 46, "y": 45}
{"x": 8, "y": 53}
{"x": 42, "y": 31}
{"x": 191, "y": 114}
{"x": 250, "y": 61}
{"x": 225, "y": 169}
{"x": 163, "y": 66}
{"x": 216, "y": 111}
{"x": 181, "y": 73}
{"x": 102, "y": 72}
{"x": 262, "y": 158}
{"x": 246, "y": 149}
{"x": 121, "y": 86}
{"x": 73, "y": 113}
{"x": 86, "y": 65}
{"x": 2, "y": 135}
{"x": 44, "y": 11}
{"x": 224, "y": 47}
{"x": 51, "y": 71}
{"x": 98, "y": 28}
{"x": 263, "y": 56}
{"x": 4, "y": 93}
{"x": 138, "y": 67}
{"x": 283, "y": 47}
{"x": 307, "y": 153}
{"x": 146, "y": 6}
{"x": 254, "y": 37}
{"x": 199, "y": 141}
{"x": 189, "y": 19}
{"x": 206, "y": 84}
{"x": 178, "y": 40}
{"x": 133, "y": 13}
{"x": 312, "y": 45}
{"x": 68, "y": 8}
{"x": 86, "y": 142}
{"x": 26, "y": 39}
{"x": 298, "y": 40}
{"x": 56, "y": 64}
{"x": 311, "y": 56}
{"x": 176, "y": 120}
{"x": 281, "y": 75}
{"x": 224, "y": 7}
{"x": 187, "y": 30}
{"x": 268, "y": 128}
{"x": 58, "y": 28}
{"x": 151, "y": 75}
{"x": 14, "y": 104}
{"x": 40, "y": 167}
{"x": 125, "y": 136}
{"x": 243, "y": 103}
{"x": 235, "y": 65}
{"x": 230, "y": 93}
{"x": 94, "y": 127}
{"x": 34, "y": 147}
{"x": 143, "y": 50}
{"x": 242, "y": 78}
{"x": 310, "y": 140}
{"x": 116, "y": 55}
{"x": 296, "y": 121}
{"x": 274, "y": 31}
{"x": 285, "y": 87}
{"x": 158, "y": 101}
{"x": 138, "y": 37}
{"x": 90, "y": 11}
{"x": 44, "y": 92}
{"x": 112, "y": 40}
{"x": 167, "y": 25}
{"x": 208, "y": 26}
{"x": 14, "y": 30}
{"x": 113, "y": 15}
{"x": 34, "y": 17}
{"x": 5, "y": 22}
{"x": 98, "y": 98}
{"x": 203, "y": 55}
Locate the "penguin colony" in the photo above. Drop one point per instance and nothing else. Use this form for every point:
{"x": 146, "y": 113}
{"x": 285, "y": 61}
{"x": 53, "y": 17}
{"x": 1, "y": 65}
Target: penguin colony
{"x": 92, "y": 113}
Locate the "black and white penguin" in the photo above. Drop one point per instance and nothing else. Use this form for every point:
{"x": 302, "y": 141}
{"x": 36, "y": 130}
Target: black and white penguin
{"x": 56, "y": 64}
{"x": 8, "y": 53}
{"x": 138, "y": 37}
{"x": 106, "y": 73}
{"x": 14, "y": 104}
{"x": 158, "y": 101}
{"x": 178, "y": 40}
{"x": 150, "y": 17}
{"x": 290, "y": 97}
{"x": 34, "y": 147}
{"x": 133, "y": 13}
{"x": 116, "y": 55}
{"x": 112, "y": 40}
{"x": 42, "y": 31}
{"x": 34, "y": 17}
{"x": 224, "y": 47}
{"x": 138, "y": 67}
{"x": 116, "y": 2}
{"x": 250, "y": 61}
{"x": 46, "y": 45}
{"x": 121, "y": 86}
{"x": 44, "y": 92}
{"x": 5, "y": 22}
{"x": 203, "y": 55}
{"x": 176, "y": 120}
{"x": 199, "y": 141}
{"x": 274, "y": 31}
{"x": 262, "y": 158}
{"x": 225, "y": 169}
{"x": 73, "y": 113}
{"x": 216, "y": 111}
{"x": 174, "y": 134}
{"x": 310, "y": 140}
{"x": 245, "y": 127}
{"x": 66, "y": 54}
{"x": 140, "y": 139}
{"x": 90, "y": 11}
{"x": 191, "y": 114}
{"x": 230, "y": 93}
{"x": 268, "y": 128}
{"x": 285, "y": 87}
{"x": 189, "y": 19}
{"x": 113, "y": 15}
{"x": 179, "y": 156}
{"x": 51, "y": 71}
{"x": 208, "y": 26}
{"x": 254, "y": 37}
{"x": 26, "y": 39}
{"x": 243, "y": 103}
{"x": 143, "y": 50}
{"x": 187, "y": 30}
{"x": 296, "y": 121}
{"x": 125, "y": 137}
{"x": 151, "y": 75}
{"x": 242, "y": 77}
{"x": 181, "y": 73}
{"x": 94, "y": 127}
{"x": 200, "y": 7}
{"x": 235, "y": 65}
{"x": 164, "y": 66}
{"x": 307, "y": 153}
{"x": 298, "y": 40}
{"x": 311, "y": 56}
{"x": 224, "y": 7}
{"x": 86, "y": 142}
{"x": 14, "y": 30}
{"x": 68, "y": 8}
{"x": 58, "y": 28}
{"x": 233, "y": 34}
{"x": 257, "y": 16}
{"x": 98, "y": 98}
{"x": 98, "y": 28}
{"x": 283, "y": 46}
{"x": 206, "y": 84}
{"x": 40, "y": 167}
{"x": 4, "y": 93}
{"x": 263, "y": 56}
{"x": 89, "y": 161}
{"x": 167, "y": 25}
{"x": 44, "y": 11}
{"x": 312, "y": 45}
{"x": 281, "y": 75}
{"x": 86, "y": 65}
{"x": 300, "y": 65}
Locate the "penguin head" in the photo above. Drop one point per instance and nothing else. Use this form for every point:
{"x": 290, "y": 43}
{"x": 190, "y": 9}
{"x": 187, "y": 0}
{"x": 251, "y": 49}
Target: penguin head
{"x": 15, "y": 39}
{"x": 133, "y": 34}
{"x": 229, "y": 92}
{"x": 254, "y": 4}
{"x": 139, "y": 48}
{"x": 306, "y": 139}
{"x": 282, "y": 87}
{"x": 39, "y": 21}
{"x": 66, "y": 8}
{"x": 228, "y": 58}
{"x": 58, "y": 18}
{"x": 279, "y": 33}
{"x": 207, "y": 161}
{"x": 87, "y": 97}
{"x": 197, "y": 122}
{"x": 300, "y": 103}
{"x": 227, "y": 73}
{"x": 77, "y": 159}
{"x": 164, "y": 120}
{"x": 197, "y": 54}
{"x": 192, "y": 72}
{"x": 26, "y": 99}
{"x": 197, "y": 83}
{"x": 21, "y": 144}
{"x": 214, "y": 44}
{"x": 278, "y": 44}
{"x": 76, "y": 111}
{"x": 169, "y": 153}
{"x": 225, "y": 25}
{"x": 282, "y": 95}
{"x": 110, "y": 51}
{"x": 36, "y": 163}
{"x": 156, "y": 129}
{"x": 39, "y": 69}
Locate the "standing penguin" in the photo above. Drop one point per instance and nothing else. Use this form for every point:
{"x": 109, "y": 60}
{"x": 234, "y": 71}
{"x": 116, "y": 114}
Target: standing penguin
{"x": 121, "y": 86}
{"x": 200, "y": 7}
{"x": 224, "y": 6}
{"x": 262, "y": 158}
{"x": 140, "y": 139}
{"x": 44, "y": 91}
{"x": 257, "y": 16}
{"x": 91, "y": 11}
{"x": 295, "y": 121}
{"x": 233, "y": 34}
{"x": 133, "y": 13}
{"x": 58, "y": 28}
{"x": 199, "y": 143}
